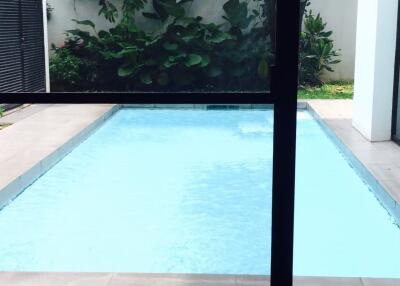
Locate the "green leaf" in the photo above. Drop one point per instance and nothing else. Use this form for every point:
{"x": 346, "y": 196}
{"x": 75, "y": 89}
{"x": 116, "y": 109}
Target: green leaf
{"x": 85, "y": 23}
{"x": 329, "y": 69}
{"x": 160, "y": 10}
{"x": 169, "y": 63}
{"x": 145, "y": 78}
{"x": 205, "y": 61}
{"x": 263, "y": 69}
{"x": 219, "y": 37}
{"x": 170, "y": 46}
{"x": 174, "y": 10}
{"x": 153, "y": 16}
{"x": 103, "y": 34}
{"x": 79, "y": 33}
{"x": 166, "y": 8}
{"x": 125, "y": 71}
{"x": 192, "y": 60}
{"x": 184, "y": 1}
{"x": 237, "y": 14}
{"x": 127, "y": 51}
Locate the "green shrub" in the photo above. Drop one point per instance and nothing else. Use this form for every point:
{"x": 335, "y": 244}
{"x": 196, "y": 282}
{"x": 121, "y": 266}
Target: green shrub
{"x": 64, "y": 69}
{"x": 317, "y": 53}
{"x": 1, "y": 111}
{"x": 184, "y": 54}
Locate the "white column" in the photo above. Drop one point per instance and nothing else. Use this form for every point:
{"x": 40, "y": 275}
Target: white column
{"x": 46, "y": 45}
{"x": 374, "y": 68}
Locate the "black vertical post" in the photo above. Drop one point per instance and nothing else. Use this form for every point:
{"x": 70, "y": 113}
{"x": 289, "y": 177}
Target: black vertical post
{"x": 284, "y": 89}
{"x": 396, "y": 84}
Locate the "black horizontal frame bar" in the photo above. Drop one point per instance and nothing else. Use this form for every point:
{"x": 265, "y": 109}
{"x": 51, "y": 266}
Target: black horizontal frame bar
{"x": 142, "y": 98}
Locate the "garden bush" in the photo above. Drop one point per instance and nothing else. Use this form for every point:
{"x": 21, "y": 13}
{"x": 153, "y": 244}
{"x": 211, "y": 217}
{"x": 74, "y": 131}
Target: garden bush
{"x": 184, "y": 54}
{"x": 317, "y": 53}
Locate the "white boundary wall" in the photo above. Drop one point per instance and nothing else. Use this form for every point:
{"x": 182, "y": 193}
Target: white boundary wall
{"x": 341, "y": 18}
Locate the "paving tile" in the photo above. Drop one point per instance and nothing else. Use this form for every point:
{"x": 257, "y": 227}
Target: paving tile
{"x": 54, "y": 279}
{"x": 142, "y": 279}
{"x": 22, "y": 112}
{"x": 386, "y": 172}
{"x": 131, "y": 279}
{"x": 393, "y": 187}
{"x": 252, "y": 280}
{"x": 380, "y": 282}
{"x": 326, "y": 281}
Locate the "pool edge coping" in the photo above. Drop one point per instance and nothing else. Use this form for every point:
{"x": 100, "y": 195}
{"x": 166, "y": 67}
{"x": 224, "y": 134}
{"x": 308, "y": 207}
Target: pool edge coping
{"x": 163, "y": 279}
{"x": 18, "y": 185}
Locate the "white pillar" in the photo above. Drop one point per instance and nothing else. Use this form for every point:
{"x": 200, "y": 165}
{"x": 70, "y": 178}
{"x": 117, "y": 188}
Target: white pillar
{"x": 374, "y": 68}
{"x": 46, "y": 45}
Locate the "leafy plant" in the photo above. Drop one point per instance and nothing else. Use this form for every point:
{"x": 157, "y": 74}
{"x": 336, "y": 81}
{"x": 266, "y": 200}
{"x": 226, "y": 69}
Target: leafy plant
{"x": 1, "y": 111}
{"x": 184, "y": 54}
{"x": 65, "y": 69}
{"x": 317, "y": 53}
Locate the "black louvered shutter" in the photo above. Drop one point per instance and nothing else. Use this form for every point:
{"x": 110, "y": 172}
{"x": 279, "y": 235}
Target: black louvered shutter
{"x": 11, "y": 73}
{"x": 22, "y": 62}
{"x": 33, "y": 45}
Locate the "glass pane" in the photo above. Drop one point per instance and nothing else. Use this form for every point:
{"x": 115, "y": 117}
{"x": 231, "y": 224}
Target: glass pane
{"x": 161, "y": 45}
{"x": 152, "y": 189}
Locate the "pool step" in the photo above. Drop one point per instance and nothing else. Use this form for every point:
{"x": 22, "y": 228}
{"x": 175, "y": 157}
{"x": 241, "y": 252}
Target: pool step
{"x": 142, "y": 279}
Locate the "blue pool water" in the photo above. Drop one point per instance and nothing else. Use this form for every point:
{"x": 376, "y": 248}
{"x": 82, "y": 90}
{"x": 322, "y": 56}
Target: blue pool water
{"x": 189, "y": 191}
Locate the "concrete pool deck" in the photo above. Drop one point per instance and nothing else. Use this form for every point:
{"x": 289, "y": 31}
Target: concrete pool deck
{"x": 41, "y": 135}
{"x": 132, "y": 279}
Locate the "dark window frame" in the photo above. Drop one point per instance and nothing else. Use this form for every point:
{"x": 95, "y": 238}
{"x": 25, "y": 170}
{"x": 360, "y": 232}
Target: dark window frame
{"x": 283, "y": 96}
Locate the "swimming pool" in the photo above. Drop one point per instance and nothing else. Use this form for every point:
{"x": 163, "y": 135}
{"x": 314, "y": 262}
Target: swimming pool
{"x": 189, "y": 191}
